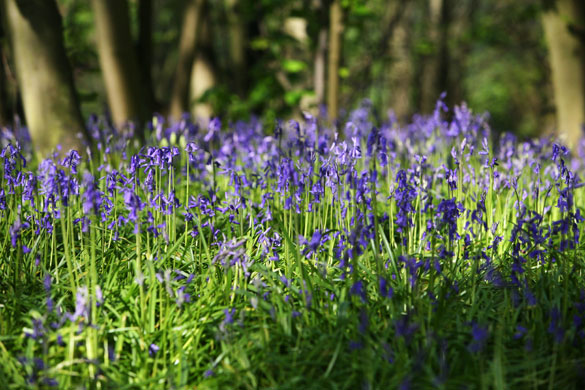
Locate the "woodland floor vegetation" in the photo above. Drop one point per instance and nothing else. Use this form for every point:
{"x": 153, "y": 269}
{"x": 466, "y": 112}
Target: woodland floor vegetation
{"x": 369, "y": 254}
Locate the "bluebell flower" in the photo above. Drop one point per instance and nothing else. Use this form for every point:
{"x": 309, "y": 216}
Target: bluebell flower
{"x": 15, "y": 230}
{"x": 520, "y": 332}
{"x": 555, "y": 327}
{"x": 558, "y": 150}
{"x": 448, "y": 211}
{"x": 357, "y": 289}
{"x": 404, "y": 328}
{"x": 228, "y": 320}
{"x": 373, "y": 141}
{"x": 92, "y": 197}
{"x": 480, "y": 335}
{"x": 412, "y": 265}
{"x": 153, "y": 349}
{"x": 82, "y": 303}
{"x": 99, "y": 296}
{"x": 208, "y": 373}
{"x": 38, "y": 331}
{"x": 233, "y": 252}
{"x": 213, "y": 129}
{"x": 364, "y": 321}
{"x": 285, "y": 281}
{"x": 386, "y": 290}
{"x": 312, "y": 246}
{"x": 72, "y": 160}
{"x": 47, "y": 283}
{"x": 2, "y": 199}
{"x": 404, "y": 195}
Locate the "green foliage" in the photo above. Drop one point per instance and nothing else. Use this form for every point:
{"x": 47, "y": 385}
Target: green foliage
{"x": 187, "y": 262}
{"x": 497, "y": 56}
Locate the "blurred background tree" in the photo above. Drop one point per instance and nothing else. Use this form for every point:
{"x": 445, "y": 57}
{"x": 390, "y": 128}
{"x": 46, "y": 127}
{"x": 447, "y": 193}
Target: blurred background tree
{"x": 275, "y": 58}
{"x": 564, "y": 25}
{"x": 44, "y": 75}
{"x": 125, "y": 90}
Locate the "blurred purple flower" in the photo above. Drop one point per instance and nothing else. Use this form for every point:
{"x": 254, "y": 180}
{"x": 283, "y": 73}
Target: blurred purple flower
{"x": 153, "y": 349}
{"x": 480, "y": 335}
{"x": 357, "y": 289}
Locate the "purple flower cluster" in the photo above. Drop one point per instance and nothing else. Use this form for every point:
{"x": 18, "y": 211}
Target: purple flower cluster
{"x": 382, "y": 215}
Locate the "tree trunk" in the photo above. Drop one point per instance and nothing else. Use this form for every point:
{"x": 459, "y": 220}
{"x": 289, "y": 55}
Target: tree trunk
{"x": 238, "y": 40}
{"x": 187, "y": 48}
{"x": 10, "y": 102}
{"x": 400, "y": 67}
{"x": 320, "y": 59}
{"x": 444, "y": 77}
{"x": 237, "y": 46}
{"x": 567, "y": 62}
{"x": 118, "y": 61}
{"x": 462, "y": 21}
{"x": 335, "y": 30}
{"x": 145, "y": 51}
{"x": 203, "y": 76}
{"x": 4, "y": 104}
{"x": 44, "y": 75}
{"x": 435, "y": 76}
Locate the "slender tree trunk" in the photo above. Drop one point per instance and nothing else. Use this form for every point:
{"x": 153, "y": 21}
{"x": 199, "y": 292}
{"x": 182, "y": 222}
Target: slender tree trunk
{"x": 4, "y": 104}
{"x": 118, "y": 61}
{"x": 335, "y": 30}
{"x": 4, "y": 109}
{"x": 238, "y": 40}
{"x": 203, "y": 78}
{"x": 11, "y": 104}
{"x": 320, "y": 59}
{"x": 435, "y": 76}
{"x": 567, "y": 62}
{"x": 444, "y": 77}
{"x": 11, "y": 101}
{"x": 145, "y": 51}
{"x": 44, "y": 74}
{"x": 320, "y": 55}
{"x": 187, "y": 48}
{"x": 400, "y": 67}
{"x": 463, "y": 20}
{"x": 203, "y": 75}
{"x": 430, "y": 65}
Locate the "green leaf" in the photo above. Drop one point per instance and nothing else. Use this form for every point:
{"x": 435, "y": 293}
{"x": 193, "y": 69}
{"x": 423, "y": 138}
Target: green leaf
{"x": 293, "y": 66}
{"x": 293, "y": 98}
{"x": 260, "y": 44}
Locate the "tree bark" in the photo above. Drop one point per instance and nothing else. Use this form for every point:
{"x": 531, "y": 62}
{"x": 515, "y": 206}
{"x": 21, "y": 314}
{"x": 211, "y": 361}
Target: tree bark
{"x": 435, "y": 77}
{"x": 187, "y": 49}
{"x": 238, "y": 40}
{"x": 4, "y": 104}
{"x": 400, "y": 67}
{"x": 444, "y": 77}
{"x": 118, "y": 62}
{"x": 567, "y": 62}
{"x": 44, "y": 74}
{"x": 203, "y": 78}
{"x": 319, "y": 71}
{"x": 145, "y": 51}
{"x": 335, "y": 30}
{"x": 203, "y": 73}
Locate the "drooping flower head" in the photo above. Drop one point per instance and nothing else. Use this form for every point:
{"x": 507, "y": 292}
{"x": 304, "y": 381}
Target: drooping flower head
{"x": 404, "y": 195}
